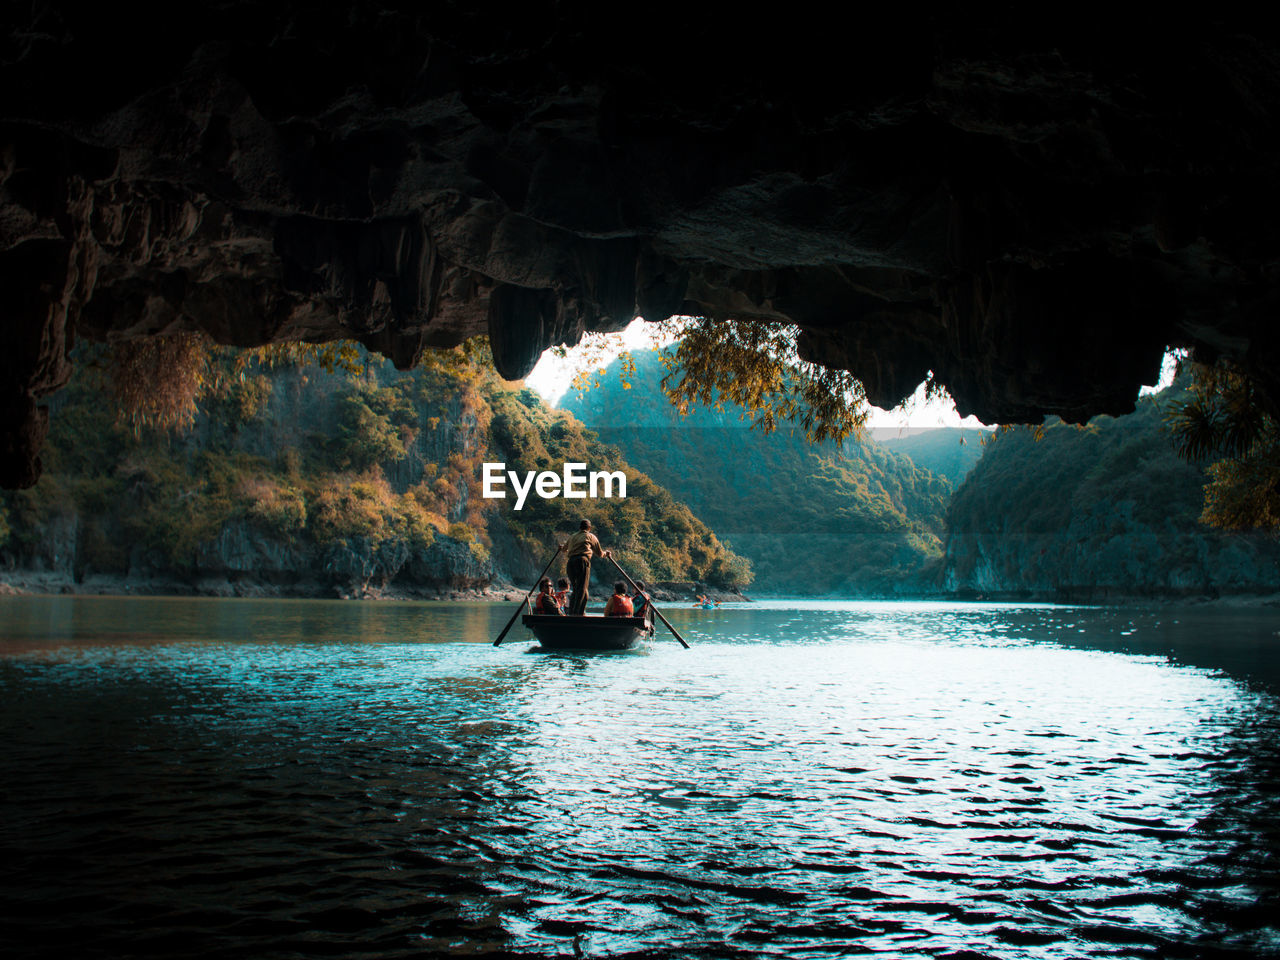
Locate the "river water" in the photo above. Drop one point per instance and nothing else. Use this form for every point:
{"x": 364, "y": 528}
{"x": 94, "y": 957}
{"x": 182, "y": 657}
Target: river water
{"x": 223, "y": 778}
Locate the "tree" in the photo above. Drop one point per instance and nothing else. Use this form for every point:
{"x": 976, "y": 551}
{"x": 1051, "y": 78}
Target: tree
{"x": 160, "y": 381}
{"x": 756, "y": 365}
{"x": 1222, "y": 420}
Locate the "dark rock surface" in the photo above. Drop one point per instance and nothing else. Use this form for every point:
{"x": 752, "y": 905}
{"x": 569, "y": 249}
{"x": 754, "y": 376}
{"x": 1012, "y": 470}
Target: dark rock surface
{"x": 1032, "y": 210}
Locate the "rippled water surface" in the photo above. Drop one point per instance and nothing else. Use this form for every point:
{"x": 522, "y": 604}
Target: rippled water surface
{"x": 319, "y": 779}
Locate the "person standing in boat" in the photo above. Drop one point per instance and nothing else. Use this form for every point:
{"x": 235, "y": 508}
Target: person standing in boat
{"x": 619, "y": 604}
{"x": 546, "y": 603}
{"x": 580, "y": 548}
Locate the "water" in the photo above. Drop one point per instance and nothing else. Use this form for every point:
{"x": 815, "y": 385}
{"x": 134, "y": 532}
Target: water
{"x": 215, "y": 778}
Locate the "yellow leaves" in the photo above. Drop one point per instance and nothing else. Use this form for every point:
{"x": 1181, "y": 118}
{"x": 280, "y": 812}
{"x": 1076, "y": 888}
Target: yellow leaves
{"x": 1222, "y": 419}
{"x": 756, "y": 366}
{"x": 365, "y": 506}
{"x": 278, "y": 508}
{"x": 157, "y": 381}
{"x": 1243, "y": 495}
{"x": 160, "y": 382}
{"x": 345, "y": 355}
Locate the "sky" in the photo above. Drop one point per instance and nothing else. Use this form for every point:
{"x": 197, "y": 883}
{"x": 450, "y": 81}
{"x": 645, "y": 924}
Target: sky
{"x": 552, "y": 375}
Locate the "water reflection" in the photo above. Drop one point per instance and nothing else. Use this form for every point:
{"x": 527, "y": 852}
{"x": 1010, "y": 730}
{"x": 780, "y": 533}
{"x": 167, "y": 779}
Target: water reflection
{"x": 219, "y": 778}
{"x": 50, "y": 622}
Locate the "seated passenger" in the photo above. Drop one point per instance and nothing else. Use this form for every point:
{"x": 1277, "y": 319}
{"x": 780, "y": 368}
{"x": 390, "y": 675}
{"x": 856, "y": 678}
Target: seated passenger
{"x": 640, "y": 601}
{"x": 546, "y": 602}
{"x": 562, "y": 592}
{"x": 619, "y": 604}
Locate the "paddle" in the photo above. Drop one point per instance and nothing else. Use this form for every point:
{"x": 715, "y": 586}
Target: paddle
{"x": 527, "y": 596}
{"x": 673, "y": 630}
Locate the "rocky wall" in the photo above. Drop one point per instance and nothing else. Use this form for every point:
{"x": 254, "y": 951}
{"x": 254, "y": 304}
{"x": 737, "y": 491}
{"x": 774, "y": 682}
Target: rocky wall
{"x": 1028, "y": 202}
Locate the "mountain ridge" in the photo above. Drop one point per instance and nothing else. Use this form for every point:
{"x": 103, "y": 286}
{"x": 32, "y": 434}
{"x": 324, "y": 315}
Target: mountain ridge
{"x": 813, "y": 519}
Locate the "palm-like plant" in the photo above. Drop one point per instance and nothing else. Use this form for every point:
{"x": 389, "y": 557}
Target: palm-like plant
{"x": 1223, "y": 420}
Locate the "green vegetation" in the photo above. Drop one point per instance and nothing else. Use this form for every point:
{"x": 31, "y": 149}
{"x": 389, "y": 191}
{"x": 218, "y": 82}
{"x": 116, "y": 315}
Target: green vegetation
{"x": 813, "y": 518}
{"x": 161, "y": 382}
{"x": 1221, "y": 419}
{"x": 755, "y": 367}
{"x": 1096, "y": 511}
{"x": 656, "y": 537}
{"x": 309, "y": 471}
{"x": 949, "y": 452}
{"x": 313, "y": 475}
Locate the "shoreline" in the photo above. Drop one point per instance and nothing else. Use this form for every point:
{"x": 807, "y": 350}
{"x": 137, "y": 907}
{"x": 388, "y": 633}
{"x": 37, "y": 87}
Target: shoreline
{"x": 39, "y": 583}
{"x": 17, "y": 583}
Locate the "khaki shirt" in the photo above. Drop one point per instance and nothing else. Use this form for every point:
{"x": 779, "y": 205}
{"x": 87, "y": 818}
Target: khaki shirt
{"x": 583, "y": 543}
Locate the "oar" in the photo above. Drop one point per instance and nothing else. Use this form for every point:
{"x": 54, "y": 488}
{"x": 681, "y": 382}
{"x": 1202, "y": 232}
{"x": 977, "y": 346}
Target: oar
{"x": 527, "y": 596}
{"x": 673, "y": 630}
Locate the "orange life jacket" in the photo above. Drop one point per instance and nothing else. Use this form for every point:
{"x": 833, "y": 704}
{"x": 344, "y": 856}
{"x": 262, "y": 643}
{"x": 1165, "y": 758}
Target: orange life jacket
{"x": 618, "y": 606}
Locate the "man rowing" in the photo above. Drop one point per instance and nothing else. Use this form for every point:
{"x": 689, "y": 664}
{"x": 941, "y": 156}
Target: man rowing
{"x": 580, "y": 548}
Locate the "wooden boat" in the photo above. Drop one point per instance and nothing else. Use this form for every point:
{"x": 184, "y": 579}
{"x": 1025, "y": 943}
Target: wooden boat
{"x": 587, "y": 633}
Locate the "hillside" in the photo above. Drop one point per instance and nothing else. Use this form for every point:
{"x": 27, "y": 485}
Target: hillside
{"x": 300, "y": 481}
{"x": 812, "y": 519}
{"x": 949, "y": 452}
{"x": 1105, "y": 511}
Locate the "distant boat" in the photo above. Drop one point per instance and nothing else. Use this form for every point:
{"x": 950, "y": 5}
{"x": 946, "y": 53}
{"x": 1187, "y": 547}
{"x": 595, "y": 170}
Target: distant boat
{"x": 587, "y": 633}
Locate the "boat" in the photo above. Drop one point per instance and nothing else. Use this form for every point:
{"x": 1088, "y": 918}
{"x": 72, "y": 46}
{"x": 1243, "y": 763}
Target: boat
{"x": 587, "y": 632}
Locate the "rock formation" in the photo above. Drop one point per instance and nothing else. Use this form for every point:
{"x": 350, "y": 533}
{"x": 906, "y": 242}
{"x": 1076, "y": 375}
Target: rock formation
{"x": 1033, "y": 211}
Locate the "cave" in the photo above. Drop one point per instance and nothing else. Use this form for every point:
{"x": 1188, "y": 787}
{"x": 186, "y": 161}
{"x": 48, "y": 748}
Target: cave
{"x": 1032, "y": 207}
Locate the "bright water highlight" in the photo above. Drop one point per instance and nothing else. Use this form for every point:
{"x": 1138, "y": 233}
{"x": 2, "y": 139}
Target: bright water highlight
{"x": 207, "y": 778}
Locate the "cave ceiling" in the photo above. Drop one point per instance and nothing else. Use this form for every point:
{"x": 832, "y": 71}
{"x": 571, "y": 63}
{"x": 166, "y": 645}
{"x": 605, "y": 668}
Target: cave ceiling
{"x": 1031, "y": 210}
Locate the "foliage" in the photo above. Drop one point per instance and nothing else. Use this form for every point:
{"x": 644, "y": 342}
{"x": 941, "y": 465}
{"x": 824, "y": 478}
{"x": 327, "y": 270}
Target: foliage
{"x": 315, "y": 456}
{"x": 374, "y": 426}
{"x": 159, "y": 382}
{"x": 1222, "y": 419}
{"x": 595, "y": 353}
{"x": 812, "y": 519}
{"x": 949, "y": 452}
{"x": 1109, "y": 506}
{"x": 274, "y": 505}
{"x": 179, "y": 506}
{"x": 755, "y": 367}
{"x": 1243, "y": 493}
{"x": 345, "y": 356}
{"x": 655, "y": 536}
{"x": 348, "y": 507}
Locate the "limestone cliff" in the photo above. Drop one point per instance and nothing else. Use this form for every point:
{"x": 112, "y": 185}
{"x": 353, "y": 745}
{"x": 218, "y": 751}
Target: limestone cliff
{"x": 1103, "y": 512}
{"x": 301, "y": 482}
{"x": 814, "y": 519}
